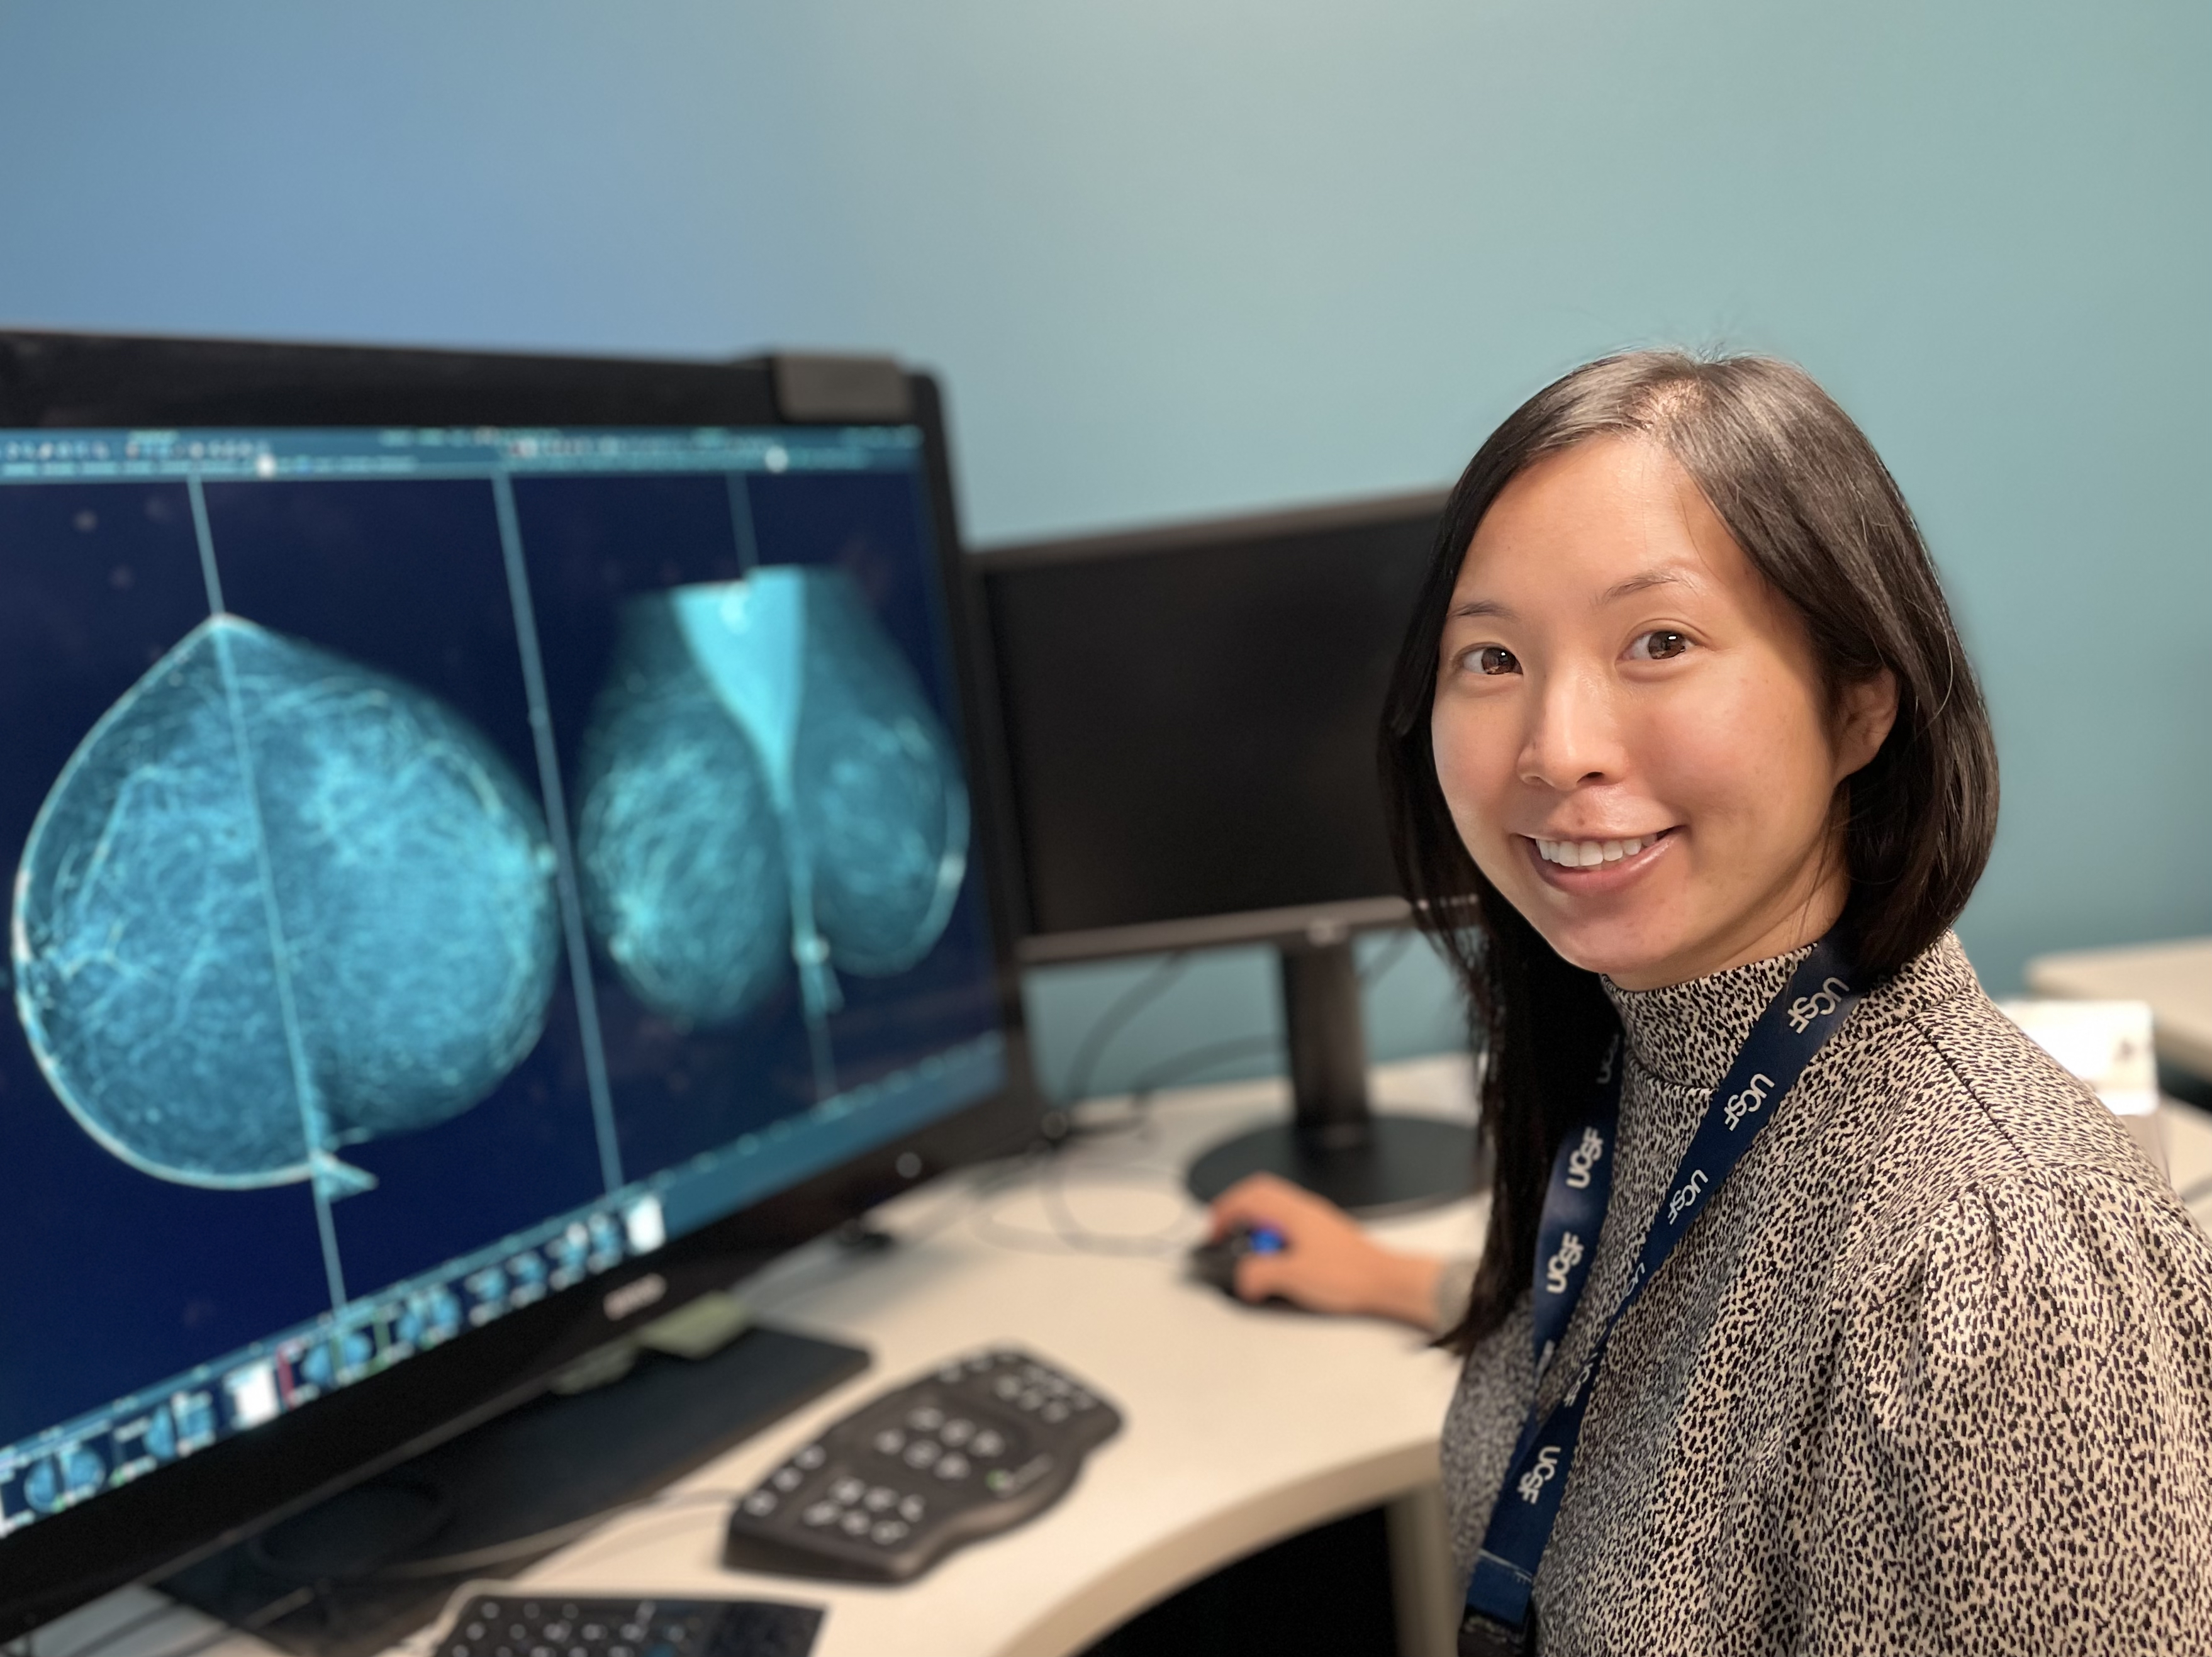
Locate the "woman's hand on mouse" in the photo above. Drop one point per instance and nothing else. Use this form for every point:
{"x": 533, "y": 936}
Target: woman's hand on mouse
{"x": 1326, "y": 1263}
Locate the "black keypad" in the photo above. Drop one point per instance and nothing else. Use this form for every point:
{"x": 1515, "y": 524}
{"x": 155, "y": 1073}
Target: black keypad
{"x": 982, "y": 1442}
{"x": 550, "y": 1626}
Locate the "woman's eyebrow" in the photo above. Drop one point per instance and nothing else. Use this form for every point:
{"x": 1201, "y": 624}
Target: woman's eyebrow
{"x": 1643, "y": 582}
{"x": 1473, "y": 607}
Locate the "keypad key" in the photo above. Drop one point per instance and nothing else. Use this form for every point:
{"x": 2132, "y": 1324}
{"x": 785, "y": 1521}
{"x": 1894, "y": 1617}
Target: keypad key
{"x": 890, "y": 1441}
{"x": 911, "y": 1509}
{"x": 988, "y": 1444}
{"x": 889, "y": 1532}
{"x": 810, "y": 1458}
{"x": 957, "y": 1431}
{"x": 1029, "y": 1399}
{"x": 760, "y": 1504}
{"x": 927, "y": 1419}
{"x": 788, "y": 1480}
{"x": 1055, "y": 1412}
{"x": 921, "y": 1453}
{"x": 820, "y": 1514}
{"x": 854, "y": 1523}
{"x": 1007, "y": 1386}
{"x": 954, "y": 1466}
{"x": 882, "y": 1499}
{"x": 847, "y": 1491}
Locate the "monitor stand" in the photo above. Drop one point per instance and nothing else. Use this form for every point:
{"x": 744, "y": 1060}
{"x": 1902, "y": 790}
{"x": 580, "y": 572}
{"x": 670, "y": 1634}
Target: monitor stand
{"x": 1336, "y": 1143}
{"x": 376, "y": 1562}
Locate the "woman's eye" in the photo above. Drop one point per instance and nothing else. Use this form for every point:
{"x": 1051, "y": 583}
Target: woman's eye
{"x": 1658, "y": 646}
{"x": 1493, "y": 660}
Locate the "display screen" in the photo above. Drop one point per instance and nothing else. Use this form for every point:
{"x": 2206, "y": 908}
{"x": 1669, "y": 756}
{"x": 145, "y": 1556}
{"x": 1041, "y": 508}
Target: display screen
{"x": 1191, "y": 727}
{"x": 447, "y": 864}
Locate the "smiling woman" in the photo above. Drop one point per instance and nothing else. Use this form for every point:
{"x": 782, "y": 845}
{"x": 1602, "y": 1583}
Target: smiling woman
{"x": 1637, "y": 740}
{"x": 1818, "y": 1309}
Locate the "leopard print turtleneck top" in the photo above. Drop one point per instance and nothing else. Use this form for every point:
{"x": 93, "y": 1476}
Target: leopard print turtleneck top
{"x": 1932, "y": 1372}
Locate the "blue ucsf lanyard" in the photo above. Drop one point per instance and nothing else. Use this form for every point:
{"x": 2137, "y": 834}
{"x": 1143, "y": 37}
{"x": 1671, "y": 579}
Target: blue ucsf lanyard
{"x": 1793, "y": 1027}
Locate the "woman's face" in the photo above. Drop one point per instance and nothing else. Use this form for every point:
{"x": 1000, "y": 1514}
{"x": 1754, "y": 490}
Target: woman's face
{"x": 1631, "y": 728}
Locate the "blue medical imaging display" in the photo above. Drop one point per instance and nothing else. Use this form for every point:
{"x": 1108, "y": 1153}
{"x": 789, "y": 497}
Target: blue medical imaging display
{"x": 447, "y": 864}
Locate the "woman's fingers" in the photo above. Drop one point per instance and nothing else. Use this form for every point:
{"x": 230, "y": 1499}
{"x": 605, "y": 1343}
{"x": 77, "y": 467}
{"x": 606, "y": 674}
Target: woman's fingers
{"x": 1264, "y": 1199}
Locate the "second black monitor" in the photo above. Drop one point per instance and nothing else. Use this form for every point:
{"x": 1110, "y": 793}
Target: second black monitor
{"x": 1190, "y": 720}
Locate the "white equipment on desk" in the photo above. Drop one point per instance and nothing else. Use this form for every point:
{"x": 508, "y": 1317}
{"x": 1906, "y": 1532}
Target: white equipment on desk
{"x": 2108, "y": 1045}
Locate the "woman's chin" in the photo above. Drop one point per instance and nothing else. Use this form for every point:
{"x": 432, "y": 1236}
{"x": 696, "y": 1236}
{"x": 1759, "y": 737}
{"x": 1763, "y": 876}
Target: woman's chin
{"x": 1630, "y": 970}
{"x": 1628, "y": 955}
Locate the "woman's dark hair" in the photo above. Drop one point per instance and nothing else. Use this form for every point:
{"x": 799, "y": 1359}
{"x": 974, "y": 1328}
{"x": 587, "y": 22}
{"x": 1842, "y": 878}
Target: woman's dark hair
{"x": 1813, "y": 508}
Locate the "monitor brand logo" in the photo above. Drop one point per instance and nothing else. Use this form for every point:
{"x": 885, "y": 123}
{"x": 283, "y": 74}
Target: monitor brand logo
{"x": 632, "y": 1297}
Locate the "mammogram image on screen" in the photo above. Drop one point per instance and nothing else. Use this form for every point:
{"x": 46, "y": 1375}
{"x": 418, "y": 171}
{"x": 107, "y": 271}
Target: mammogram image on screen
{"x": 762, "y": 781}
{"x": 276, "y": 904}
{"x": 449, "y": 863}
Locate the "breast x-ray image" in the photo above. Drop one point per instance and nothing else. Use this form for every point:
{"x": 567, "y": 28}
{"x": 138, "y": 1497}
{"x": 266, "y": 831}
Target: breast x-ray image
{"x": 278, "y": 903}
{"x": 763, "y": 781}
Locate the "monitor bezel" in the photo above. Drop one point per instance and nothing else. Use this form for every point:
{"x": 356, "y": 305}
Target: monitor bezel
{"x": 207, "y": 1502}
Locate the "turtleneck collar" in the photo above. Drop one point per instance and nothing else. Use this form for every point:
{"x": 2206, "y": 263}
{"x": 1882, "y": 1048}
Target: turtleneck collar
{"x": 1685, "y": 1035}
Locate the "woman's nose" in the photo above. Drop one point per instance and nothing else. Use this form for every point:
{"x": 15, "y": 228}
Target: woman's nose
{"x": 1573, "y": 736}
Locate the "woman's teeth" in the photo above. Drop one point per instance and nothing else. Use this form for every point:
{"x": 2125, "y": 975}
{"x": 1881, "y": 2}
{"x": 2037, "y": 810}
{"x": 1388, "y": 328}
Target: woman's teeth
{"x": 1588, "y": 853}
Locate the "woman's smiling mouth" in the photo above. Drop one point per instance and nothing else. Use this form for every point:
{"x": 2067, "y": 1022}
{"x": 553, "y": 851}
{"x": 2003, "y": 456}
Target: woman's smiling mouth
{"x": 1579, "y": 862}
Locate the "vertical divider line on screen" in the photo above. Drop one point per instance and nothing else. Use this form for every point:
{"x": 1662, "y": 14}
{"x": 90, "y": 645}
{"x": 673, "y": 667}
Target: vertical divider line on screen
{"x": 313, "y": 1128}
{"x": 741, "y": 521}
{"x": 205, "y": 536}
{"x": 557, "y": 821}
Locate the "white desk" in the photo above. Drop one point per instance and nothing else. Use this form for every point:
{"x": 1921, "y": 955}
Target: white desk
{"x": 1244, "y": 1426}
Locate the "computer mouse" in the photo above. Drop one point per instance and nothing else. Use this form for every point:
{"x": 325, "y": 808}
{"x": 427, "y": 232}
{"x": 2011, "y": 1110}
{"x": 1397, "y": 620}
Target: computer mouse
{"x": 1216, "y": 1262}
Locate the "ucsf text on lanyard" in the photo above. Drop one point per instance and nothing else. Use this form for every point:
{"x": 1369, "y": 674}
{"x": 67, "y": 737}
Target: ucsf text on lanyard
{"x": 1793, "y": 1028}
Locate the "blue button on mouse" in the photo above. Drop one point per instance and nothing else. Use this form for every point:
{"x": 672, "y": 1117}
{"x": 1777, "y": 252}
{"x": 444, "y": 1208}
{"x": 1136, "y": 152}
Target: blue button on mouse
{"x": 1216, "y": 1262}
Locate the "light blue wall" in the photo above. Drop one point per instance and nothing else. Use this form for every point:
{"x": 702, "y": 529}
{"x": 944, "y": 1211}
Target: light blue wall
{"x": 1178, "y": 258}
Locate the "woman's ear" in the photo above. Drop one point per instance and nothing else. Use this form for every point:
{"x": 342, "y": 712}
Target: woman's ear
{"x": 1865, "y": 711}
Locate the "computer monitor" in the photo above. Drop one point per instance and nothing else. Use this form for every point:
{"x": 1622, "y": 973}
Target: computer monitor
{"x": 1190, "y": 720}
{"x": 494, "y": 854}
